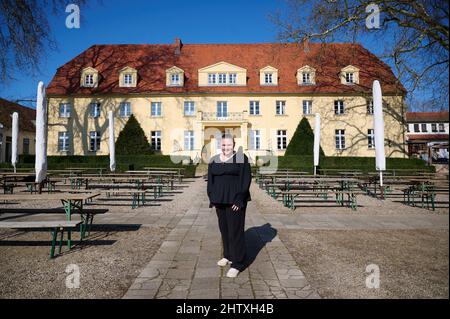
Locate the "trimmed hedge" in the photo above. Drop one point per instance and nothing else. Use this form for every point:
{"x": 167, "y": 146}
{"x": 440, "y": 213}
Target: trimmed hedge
{"x": 124, "y": 162}
{"x": 364, "y": 164}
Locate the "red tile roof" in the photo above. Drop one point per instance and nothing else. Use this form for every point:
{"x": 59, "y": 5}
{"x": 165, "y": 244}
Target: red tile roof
{"x": 411, "y": 137}
{"x": 412, "y": 117}
{"x": 151, "y": 61}
{"x": 27, "y": 116}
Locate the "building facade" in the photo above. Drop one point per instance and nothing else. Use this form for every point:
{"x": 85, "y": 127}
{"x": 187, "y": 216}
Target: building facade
{"x": 186, "y": 95}
{"x": 427, "y": 135}
{"x": 27, "y": 130}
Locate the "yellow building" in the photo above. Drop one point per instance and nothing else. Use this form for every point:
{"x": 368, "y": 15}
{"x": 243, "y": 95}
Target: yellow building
{"x": 185, "y": 95}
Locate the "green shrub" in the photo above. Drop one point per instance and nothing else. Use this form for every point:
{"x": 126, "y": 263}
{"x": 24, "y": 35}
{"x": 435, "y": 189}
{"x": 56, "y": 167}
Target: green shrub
{"x": 302, "y": 142}
{"x": 132, "y": 139}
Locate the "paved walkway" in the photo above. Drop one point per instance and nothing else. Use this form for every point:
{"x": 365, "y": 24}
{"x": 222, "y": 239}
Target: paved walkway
{"x": 185, "y": 265}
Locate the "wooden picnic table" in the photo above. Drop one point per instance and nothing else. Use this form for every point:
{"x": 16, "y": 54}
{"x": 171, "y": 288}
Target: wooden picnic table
{"x": 72, "y": 202}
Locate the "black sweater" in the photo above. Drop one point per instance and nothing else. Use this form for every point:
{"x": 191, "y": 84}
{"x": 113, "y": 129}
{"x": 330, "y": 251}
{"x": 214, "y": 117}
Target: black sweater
{"x": 229, "y": 181}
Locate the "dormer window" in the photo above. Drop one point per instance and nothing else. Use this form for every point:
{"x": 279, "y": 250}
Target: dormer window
{"x": 349, "y": 75}
{"x": 306, "y": 78}
{"x": 222, "y": 74}
{"x": 89, "y": 77}
{"x": 268, "y": 76}
{"x": 128, "y": 77}
{"x": 89, "y": 80}
{"x": 174, "y": 76}
{"x": 306, "y": 75}
{"x": 175, "y": 79}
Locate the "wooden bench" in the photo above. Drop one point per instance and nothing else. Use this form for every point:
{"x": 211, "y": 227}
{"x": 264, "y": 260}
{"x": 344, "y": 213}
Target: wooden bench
{"x": 55, "y": 227}
{"x": 137, "y": 196}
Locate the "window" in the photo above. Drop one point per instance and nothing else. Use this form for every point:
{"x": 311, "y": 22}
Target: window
{"x": 232, "y": 78}
{"x": 268, "y": 78}
{"x": 189, "y": 108}
{"x": 63, "y": 141}
{"x": 89, "y": 79}
{"x": 339, "y": 107}
{"x": 424, "y": 127}
{"x": 255, "y": 140}
{"x": 416, "y": 128}
{"x": 94, "y": 109}
{"x": 254, "y": 107}
{"x": 370, "y": 107}
{"x": 211, "y": 78}
{"x": 175, "y": 79}
{"x": 307, "y": 107}
{"x": 281, "y": 139}
{"x": 280, "y": 107}
{"x": 370, "y": 138}
{"x": 124, "y": 109}
{"x": 94, "y": 141}
{"x": 306, "y": 78}
{"x": 222, "y": 78}
{"x": 349, "y": 77}
{"x": 433, "y": 127}
{"x": 26, "y": 146}
{"x": 188, "y": 140}
{"x": 441, "y": 127}
{"x": 156, "y": 109}
{"x": 128, "y": 79}
{"x": 64, "y": 109}
{"x": 156, "y": 140}
{"x": 340, "y": 139}
{"x": 222, "y": 109}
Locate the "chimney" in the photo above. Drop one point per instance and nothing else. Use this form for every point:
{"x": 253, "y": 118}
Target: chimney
{"x": 178, "y": 45}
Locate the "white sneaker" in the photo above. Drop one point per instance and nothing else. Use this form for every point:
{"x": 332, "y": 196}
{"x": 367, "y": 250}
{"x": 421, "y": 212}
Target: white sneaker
{"x": 232, "y": 273}
{"x": 223, "y": 262}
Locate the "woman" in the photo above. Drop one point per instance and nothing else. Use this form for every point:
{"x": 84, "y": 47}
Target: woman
{"x": 229, "y": 178}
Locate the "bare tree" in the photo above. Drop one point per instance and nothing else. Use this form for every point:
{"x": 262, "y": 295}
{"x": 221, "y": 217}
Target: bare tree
{"x": 25, "y": 34}
{"x": 414, "y": 34}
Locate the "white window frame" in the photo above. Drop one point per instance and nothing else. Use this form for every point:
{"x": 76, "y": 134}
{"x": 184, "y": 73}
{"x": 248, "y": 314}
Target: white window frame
{"x": 370, "y": 107}
{"x": 371, "y": 138}
{"x": 189, "y": 108}
{"x": 307, "y": 107}
{"x": 232, "y": 77}
{"x": 349, "y": 77}
{"x": 306, "y": 78}
{"x": 94, "y": 109}
{"x": 268, "y": 78}
{"x": 124, "y": 109}
{"x": 155, "y": 139}
{"x": 339, "y": 107}
{"x": 128, "y": 79}
{"x": 280, "y": 107}
{"x": 188, "y": 140}
{"x": 255, "y": 139}
{"x": 434, "y": 128}
{"x": 63, "y": 141}
{"x": 424, "y": 128}
{"x": 155, "y": 109}
{"x": 175, "y": 79}
{"x": 281, "y": 139}
{"x": 254, "y": 108}
{"x": 222, "y": 109}
{"x": 212, "y": 78}
{"x": 416, "y": 127}
{"x": 222, "y": 78}
{"x": 441, "y": 127}
{"x": 96, "y": 137}
{"x": 67, "y": 109}
{"x": 26, "y": 146}
{"x": 339, "y": 139}
{"x": 89, "y": 80}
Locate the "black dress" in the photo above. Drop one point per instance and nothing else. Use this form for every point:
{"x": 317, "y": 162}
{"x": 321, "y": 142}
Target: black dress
{"x": 229, "y": 181}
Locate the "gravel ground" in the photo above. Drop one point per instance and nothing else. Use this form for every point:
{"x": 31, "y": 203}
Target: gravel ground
{"x": 109, "y": 262}
{"x": 412, "y": 263}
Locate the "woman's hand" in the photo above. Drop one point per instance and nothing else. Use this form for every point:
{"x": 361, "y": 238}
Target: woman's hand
{"x": 235, "y": 208}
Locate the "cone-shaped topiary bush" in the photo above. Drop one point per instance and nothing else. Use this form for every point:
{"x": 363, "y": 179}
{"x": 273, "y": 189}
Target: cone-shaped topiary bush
{"x": 302, "y": 142}
{"x": 132, "y": 140}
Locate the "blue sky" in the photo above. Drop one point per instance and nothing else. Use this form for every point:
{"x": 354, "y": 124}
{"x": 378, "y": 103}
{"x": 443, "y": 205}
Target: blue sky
{"x": 154, "y": 21}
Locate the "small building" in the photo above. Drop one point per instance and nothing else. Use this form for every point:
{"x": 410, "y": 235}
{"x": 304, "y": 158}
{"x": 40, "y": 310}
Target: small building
{"x": 427, "y": 136}
{"x": 27, "y": 129}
